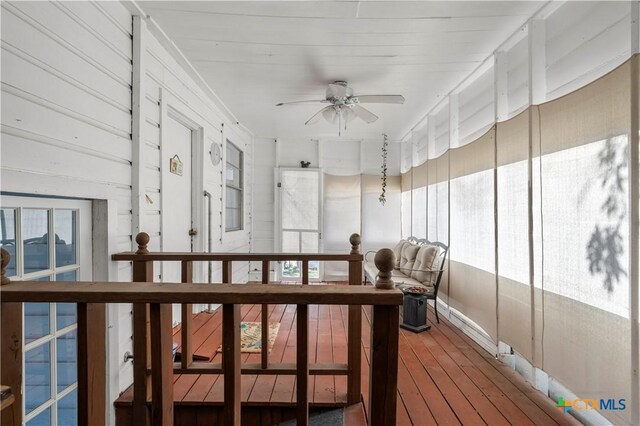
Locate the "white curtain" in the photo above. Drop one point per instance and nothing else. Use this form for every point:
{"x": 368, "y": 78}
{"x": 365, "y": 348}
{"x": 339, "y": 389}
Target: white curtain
{"x": 552, "y": 185}
{"x": 380, "y": 223}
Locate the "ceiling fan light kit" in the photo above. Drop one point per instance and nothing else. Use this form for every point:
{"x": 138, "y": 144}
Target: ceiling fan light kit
{"x": 345, "y": 106}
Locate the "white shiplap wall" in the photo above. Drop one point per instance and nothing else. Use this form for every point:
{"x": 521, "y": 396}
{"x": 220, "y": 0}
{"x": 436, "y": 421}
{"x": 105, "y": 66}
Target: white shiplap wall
{"x": 66, "y": 120}
{"x": 167, "y": 84}
{"x": 67, "y": 130}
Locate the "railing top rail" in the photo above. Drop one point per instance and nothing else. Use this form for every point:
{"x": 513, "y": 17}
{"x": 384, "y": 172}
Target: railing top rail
{"x": 203, "y": 256}
{"x": 120, "y": 292}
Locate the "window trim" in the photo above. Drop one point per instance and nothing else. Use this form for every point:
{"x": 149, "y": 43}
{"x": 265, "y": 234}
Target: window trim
{"x": 239, "y": 188}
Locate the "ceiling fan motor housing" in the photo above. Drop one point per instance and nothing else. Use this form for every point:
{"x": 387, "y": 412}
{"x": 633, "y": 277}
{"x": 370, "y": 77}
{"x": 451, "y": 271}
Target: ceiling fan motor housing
{"x": 338, "y": 92}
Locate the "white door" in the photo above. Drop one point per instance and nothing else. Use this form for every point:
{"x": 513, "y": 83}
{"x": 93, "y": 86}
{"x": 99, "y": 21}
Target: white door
{"x": 49, "y": 240}
{"x": 176, "y": 193}
{"x": 300, "y": 219}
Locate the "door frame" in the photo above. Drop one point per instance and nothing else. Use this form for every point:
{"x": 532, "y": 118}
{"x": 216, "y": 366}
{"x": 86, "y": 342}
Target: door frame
{"x": 172, "y": 107}
{"x": 277, "y": 228}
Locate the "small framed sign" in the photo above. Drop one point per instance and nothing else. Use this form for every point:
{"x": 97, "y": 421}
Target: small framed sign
{"x": 175, "y": 165}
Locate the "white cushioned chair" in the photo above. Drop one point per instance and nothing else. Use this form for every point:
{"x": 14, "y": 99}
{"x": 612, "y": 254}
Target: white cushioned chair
{"x": 418, "y": 263}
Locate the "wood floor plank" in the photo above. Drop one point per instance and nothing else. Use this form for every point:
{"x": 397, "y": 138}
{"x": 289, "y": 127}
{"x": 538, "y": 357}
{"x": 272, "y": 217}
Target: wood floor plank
{"x": 525, "y": 395}
{"x": 263, "y": 386}
{"x": 505, "y": 405}
{"x": 463, "y": 408}
{"x": 284, "y": 387}
{"x": 438, "y": 404}
{"x": 411, "y": 397}
{"x": 485, "y": 408}
{"x": 325, "y": 387}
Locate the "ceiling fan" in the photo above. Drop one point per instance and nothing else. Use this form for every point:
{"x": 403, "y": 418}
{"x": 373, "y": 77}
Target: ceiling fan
{"x": 345, "y": 106}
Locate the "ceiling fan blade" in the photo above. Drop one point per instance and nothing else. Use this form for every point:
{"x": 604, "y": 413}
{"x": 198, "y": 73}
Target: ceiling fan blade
{"x": 364, "y": 114}
{"x": 330, "y": 114}
{"x": 318, "y": 115}
{"x": 324, "y": 101}
{"x": 379, "y": 99}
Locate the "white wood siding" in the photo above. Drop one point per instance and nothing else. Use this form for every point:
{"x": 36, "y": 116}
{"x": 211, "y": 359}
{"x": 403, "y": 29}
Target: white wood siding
{"x": 66, "y": 119}
{"x": 166, "y": 79}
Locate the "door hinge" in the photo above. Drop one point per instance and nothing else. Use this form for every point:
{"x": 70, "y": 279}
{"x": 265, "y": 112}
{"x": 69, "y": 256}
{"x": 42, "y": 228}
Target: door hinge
{"x": 279, "y": 184}
{"x": 193, "y": 232}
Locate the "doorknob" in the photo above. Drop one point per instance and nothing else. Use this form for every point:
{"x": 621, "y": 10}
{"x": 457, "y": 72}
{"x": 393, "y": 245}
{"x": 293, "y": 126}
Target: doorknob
{"x": 193, "y": 232}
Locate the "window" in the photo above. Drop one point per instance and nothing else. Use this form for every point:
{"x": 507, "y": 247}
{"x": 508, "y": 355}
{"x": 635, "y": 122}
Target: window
{"x": 48, "y": 240}
{"x": 234, "y": 181}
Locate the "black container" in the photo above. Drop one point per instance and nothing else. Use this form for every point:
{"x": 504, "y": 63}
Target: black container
{"x": 414, "y": 313}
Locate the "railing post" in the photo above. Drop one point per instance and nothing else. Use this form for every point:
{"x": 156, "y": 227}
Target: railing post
{"x": 264, "y": 351}
{"x": 92, "y": 363}
{"x": 161, "y": 365}
{"x": 231, "y": 363}
{"x": 11, "y": 352}
{"x": 142, "y": 272}
{"x": 383, "y": 377}
{"x": 186, "y": 353}
{"x": 354, "y": 353}
{"x": 302, "y": 365}
{"x": 227, "y": 273}
{"x": 385, "y": 259}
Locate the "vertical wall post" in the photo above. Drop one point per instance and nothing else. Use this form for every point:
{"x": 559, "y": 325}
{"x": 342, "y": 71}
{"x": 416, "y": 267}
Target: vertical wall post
{"x": 634, "y": 212}
{"x": 354, "y": 353}
{"x": 142, "y": 272}
{"x": 501, "y": 112}
{"x": 11, "y": 349}
{"x": 137, "y": 122}
{"x": 537, "y": 95}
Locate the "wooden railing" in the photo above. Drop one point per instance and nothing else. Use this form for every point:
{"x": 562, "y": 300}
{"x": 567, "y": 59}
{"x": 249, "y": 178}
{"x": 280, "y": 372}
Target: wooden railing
{"x": 152, "y": 332}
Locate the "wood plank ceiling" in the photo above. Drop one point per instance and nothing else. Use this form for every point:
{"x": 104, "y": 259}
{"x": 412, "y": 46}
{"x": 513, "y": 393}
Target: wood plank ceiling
{"x": 256, "y": 54}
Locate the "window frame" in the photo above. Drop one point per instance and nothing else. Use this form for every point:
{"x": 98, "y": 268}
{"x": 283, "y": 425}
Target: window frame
{"x": 81, "y": 267}
{"x": 239, "y": 187}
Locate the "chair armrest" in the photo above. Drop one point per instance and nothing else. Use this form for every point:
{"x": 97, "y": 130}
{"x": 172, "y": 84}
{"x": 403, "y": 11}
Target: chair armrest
{"x": 420, "y": 270}
{"x": 367, "y": 253}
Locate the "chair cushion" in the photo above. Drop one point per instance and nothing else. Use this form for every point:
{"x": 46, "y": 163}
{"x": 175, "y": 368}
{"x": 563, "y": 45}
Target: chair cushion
{"x": 397, "y": 250}
{"x": 425, "y": 260}
{"x": 408, "y": 258}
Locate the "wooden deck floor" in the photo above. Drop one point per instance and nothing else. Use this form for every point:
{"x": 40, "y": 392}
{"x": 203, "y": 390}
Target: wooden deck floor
{"x": 444, "y": 377}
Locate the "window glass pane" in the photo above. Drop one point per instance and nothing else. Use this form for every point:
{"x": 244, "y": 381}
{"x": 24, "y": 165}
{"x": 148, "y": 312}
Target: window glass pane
{"x": 290, "y": 269}
{"x": 290, "y": 242}
{"x": 8, "y": 237}
{"x": 42, "y": 419}
{"x": 233, "y": 155}
{"x": 65, "y": 312}
{"x": 234, "y": 198}
{"x": 65, "y": 227}
{"x": 299, "y": 199}
{"x": 68, "y": 408}
{"x": 66, "y": 360}
{"x": 233, "y": 219}
{"x": 37, "y": 376}
{"x": 35, "y": 234}
{"x": 36, "y": 319}
{"x": 309, "y": 242}
{"x": 234, "y": 177}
